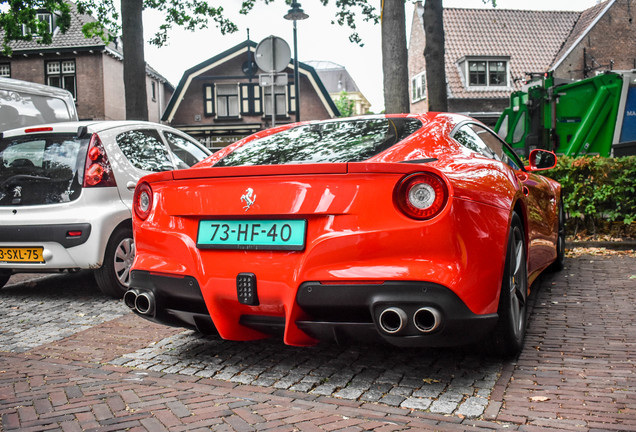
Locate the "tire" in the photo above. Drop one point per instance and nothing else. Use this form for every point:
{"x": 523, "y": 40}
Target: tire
{"x": 559, "y": 263}
{"x": 113, "y": 277}
{"x": 510, "y": 330}
{"x": 4, "y": 277}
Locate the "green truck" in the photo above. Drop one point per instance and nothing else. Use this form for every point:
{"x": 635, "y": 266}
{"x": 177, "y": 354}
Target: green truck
{"x": 593, "y": 116}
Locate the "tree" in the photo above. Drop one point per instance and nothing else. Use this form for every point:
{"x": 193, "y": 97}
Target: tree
{"x": 434, "y": 56}
{"x": 193, "y": 15}
{"x": 344, "y": 105}
{"x": 395, "y": 57}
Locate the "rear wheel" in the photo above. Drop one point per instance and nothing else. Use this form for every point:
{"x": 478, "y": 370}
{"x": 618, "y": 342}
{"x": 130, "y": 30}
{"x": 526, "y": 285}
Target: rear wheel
{"x": 4, "y": 277}
{"x": 511, "y": 328}
{"x": 113, "y": 277}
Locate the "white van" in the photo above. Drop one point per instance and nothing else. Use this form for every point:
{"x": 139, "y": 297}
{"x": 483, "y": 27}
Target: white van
{"x": 25, "y": 103}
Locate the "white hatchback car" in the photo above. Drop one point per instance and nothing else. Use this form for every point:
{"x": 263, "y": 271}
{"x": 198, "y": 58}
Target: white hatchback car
{"x": 66, "y": 193}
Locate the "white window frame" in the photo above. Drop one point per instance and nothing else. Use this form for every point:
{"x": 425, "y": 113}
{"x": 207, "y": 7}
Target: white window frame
{"x": 226, "y": 97}
{"x": 5, "y": 70}
{"x": 62, "y": 70}
{"x": 489, "y": 61}
{"x": 418, "y": 87}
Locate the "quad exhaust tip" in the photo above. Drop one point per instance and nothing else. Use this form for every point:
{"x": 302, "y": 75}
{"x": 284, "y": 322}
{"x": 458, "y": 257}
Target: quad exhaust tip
{"x": 427, "y": 319}
{"x": 142, "y": 302}
{"x": 393, "y": 320}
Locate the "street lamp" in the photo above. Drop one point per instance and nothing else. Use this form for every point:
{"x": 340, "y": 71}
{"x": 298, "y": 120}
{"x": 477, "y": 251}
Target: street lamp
{"x": 296, "y": 14}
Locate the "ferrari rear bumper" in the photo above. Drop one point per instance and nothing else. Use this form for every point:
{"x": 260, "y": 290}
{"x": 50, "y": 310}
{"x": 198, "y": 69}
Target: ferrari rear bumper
{"x": 402, "y": 313}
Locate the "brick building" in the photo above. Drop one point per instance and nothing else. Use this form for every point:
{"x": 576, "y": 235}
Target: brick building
{"x": 489, "y": 52}
{"x": 221, "y": 100}
{"x": 87, "y": 67}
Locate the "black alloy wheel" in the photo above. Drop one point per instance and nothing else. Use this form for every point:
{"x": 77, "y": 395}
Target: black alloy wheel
{"x": 510, "y": 331}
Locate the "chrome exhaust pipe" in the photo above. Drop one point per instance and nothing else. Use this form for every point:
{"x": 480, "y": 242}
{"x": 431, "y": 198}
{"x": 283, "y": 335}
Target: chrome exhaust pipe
{"x": 145, "y": 303}
{"x": 130, "y": 297}
{"x": 392, "y": 320}
{"x": 427, "y": 319}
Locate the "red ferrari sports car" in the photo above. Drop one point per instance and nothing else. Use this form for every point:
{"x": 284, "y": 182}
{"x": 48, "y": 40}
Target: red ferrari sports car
{"x": 419, "y": 230}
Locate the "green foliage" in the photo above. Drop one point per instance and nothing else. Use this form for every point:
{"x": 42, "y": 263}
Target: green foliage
{"x": 597, "y": 190}
{"x": 19, "y": 14}
{"x": 344, "y": 105}
{"x": 189, "y": 14}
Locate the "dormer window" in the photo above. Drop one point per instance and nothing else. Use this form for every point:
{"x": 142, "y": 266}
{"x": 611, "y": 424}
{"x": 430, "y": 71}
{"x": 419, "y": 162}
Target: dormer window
{"x": 45, "y": 17}
{"x": 485, "y": 73}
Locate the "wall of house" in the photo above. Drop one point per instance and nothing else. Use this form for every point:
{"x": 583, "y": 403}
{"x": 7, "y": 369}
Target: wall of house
{"x": 611, "y": 39}
{"x": 28, "y": 69}
{"x": 89, "y": 78}
{"x": 114, "y": 99}
{"x": 191, "y": 109}
{"x": 416, "y": 60}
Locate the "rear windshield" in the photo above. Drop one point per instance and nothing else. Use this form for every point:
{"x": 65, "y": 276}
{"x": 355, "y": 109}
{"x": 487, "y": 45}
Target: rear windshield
{"x": 21, "y": 109}
{"x": 329, "y": 142}
{"x": 41, "y": 169}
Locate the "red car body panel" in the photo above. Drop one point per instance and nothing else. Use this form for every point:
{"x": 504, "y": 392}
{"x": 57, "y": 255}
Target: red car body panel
{"x": 355, "y": 233}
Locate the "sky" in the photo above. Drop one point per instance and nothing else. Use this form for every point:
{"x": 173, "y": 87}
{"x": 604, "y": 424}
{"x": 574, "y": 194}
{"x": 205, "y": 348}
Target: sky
{"x": 318, "y": 39}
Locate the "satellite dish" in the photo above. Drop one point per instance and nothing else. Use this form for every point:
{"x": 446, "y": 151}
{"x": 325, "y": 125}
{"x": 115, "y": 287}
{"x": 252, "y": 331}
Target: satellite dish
{"x": 272, "y": 54}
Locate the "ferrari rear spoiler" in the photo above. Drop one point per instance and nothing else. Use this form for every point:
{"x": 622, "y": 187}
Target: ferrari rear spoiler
{"x": 299, "y": 169}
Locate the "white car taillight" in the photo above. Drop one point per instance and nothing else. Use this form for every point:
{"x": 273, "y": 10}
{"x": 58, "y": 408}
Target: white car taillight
{"x": 98, "y": 172}
{"x": 142, "y": 200}
{"x": 421, "y": 196}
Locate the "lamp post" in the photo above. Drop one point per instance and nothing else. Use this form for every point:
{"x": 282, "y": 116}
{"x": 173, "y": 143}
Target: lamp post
{"x": 296, "y": 14}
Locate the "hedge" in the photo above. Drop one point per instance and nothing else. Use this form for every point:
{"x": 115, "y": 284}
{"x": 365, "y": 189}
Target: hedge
{"x": 599, "y": 194}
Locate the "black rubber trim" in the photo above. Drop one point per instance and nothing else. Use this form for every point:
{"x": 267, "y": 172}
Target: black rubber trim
{"x": 56, "y": 233}
{"x": 179, "y": 302}
{"x": 351, "y": 313}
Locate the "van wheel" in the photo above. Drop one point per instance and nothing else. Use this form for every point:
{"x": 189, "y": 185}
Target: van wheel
{"x": 4, "y": 277}
{"x": 113, "y": 277}
{"x": 510, "y": 331}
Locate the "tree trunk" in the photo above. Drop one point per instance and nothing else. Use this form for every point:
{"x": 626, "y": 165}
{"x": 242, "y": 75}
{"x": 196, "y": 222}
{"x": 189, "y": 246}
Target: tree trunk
{"x": 134, "y": 60}
{"x": 395, "y": 58}
{"x": 434, "y": 56}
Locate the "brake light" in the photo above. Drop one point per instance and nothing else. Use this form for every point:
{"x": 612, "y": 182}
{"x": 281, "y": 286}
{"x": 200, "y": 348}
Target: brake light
{"x": 38, "y": 129}
{"x": 142, "y": 200}
{"x": 421, "y": 196}
{"x": 98, "y": 172}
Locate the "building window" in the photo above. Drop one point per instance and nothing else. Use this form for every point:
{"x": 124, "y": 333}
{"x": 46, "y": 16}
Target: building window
{"x": 227, "y": 100}
{"x": 418, "y": 87}
{"x": 62, "y": 74}
{"x": 487, "y": 73}
{"x": 153, "y": 89}
{"x": 280, "y": 93}
{"x": 251, "y": 99}
{"x": 5, "y": 70}
{"x": 208, "y": 99}
{"x": 43, "y": 17}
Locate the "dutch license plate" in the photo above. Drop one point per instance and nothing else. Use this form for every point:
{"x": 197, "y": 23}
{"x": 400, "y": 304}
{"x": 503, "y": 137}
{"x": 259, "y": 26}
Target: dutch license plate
{"x": 21, "y": 254}
{"x": 252, "y": 234}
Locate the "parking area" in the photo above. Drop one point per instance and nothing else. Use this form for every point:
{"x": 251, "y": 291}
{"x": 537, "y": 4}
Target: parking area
{"x": 71, "y": 359}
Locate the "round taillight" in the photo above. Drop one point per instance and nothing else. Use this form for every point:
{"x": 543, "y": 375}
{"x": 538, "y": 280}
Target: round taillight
{"x": 94, "y": 153}
{"x": 422, "y": 195}
{"x": 94, "y": 174}
{"x": 142, "y": 201}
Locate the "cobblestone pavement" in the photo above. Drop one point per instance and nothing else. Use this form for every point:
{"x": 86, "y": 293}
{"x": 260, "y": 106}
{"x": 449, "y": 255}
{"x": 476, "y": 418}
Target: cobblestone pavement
{"x": 71, "y": 359}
